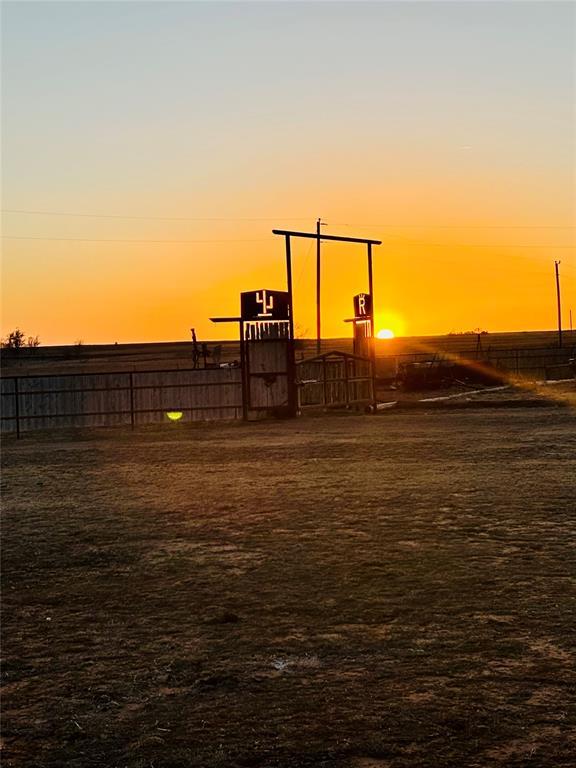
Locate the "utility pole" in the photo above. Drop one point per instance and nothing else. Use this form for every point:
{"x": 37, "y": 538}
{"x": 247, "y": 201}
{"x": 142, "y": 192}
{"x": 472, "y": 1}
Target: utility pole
{"x": 318, "y": 320}
{"x": 556, "y": 264}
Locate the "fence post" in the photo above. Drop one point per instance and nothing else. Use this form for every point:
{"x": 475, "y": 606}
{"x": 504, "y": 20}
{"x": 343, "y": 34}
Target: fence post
{"x": 17, "y": 407}
{"x": 324, "y": 382}
{"x": 131, "y": 400}
{"x": 346, "y": 383}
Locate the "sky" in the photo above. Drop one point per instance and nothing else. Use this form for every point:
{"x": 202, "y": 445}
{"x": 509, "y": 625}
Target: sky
{"x": 149, "y": 149}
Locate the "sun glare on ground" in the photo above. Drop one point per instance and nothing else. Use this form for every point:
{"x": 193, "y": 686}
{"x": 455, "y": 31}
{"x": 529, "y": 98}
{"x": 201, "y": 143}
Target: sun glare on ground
{"x": 385, "y": 333}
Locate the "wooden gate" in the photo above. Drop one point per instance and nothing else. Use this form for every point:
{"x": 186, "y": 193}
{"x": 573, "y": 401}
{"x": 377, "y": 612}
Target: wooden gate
{"x": 334, "y": 380}
{"x": 268, "y": 370}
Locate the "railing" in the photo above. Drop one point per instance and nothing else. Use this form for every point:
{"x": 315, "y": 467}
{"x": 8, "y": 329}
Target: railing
{"x": 526, "y": 362}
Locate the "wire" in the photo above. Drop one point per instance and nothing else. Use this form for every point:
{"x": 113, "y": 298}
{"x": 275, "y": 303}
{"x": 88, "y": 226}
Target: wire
{"x": 285, "y": 218}
{"x": 461, "y": 226}
{"x": 106, "y": 240}
{"x": 417, "y": 244}
{"x": 151, "y": 218}
{"x": 407, "y": 243}
{"x": 303, "y": 265}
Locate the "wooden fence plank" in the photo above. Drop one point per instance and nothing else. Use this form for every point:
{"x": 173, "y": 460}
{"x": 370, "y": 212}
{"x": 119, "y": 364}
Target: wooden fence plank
{"x": 112, "y": 399}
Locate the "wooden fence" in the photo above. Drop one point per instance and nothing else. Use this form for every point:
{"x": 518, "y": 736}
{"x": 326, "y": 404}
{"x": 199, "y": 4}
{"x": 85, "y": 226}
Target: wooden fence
{"x": 109, "y": 399}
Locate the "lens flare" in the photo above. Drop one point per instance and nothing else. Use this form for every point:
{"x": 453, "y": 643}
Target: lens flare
{"x": 174, "y": 415}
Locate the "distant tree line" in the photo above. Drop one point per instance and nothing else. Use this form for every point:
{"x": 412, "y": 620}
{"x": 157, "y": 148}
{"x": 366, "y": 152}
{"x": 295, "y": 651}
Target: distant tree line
{"x": 475, "y": 332}
{"x": 17, "y": 339}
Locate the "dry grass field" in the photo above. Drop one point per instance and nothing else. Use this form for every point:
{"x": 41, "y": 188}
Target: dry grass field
{"x": 394, "y": 591}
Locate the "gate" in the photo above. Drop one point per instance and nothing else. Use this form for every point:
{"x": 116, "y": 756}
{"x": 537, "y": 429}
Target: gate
{"x": 266, "y": 352}
{"x": 334, "y": 380}
{"x": 267, "y": 369}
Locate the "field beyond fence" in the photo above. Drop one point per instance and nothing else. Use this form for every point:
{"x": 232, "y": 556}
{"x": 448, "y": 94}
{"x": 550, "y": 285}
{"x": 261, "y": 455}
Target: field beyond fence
{"x": 96, "y": 358}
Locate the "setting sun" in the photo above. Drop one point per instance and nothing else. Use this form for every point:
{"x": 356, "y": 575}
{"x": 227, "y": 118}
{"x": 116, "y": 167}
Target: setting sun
{"x": 385, "y": 333}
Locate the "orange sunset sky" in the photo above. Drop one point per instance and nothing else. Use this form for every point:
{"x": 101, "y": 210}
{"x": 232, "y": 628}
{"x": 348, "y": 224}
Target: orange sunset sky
{"x": 150, "y": 148}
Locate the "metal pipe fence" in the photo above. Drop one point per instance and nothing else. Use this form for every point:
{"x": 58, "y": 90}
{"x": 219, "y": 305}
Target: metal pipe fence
{"x": 527, "y": 362}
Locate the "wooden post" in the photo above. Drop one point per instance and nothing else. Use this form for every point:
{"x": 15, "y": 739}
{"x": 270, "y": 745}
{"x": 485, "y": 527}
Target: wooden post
{"x": 243, "y": 371}
{"x": 132, "y": 418}
{"x": 324, "y": 383}
{"x": 17, "y": 407}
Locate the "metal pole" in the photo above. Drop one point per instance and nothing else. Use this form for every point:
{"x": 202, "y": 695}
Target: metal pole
{"x": 318, "y": 277}
{"x": 289, "y": 281}
{"x": 556, "y": 263}
{"x": 372, "y": 347}
{"x": 291, "y": 362}
{"x": 371, "y": 288}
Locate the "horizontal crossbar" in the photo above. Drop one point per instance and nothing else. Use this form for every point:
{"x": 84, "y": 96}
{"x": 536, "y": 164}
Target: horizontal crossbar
{"x": 316, "y": 236}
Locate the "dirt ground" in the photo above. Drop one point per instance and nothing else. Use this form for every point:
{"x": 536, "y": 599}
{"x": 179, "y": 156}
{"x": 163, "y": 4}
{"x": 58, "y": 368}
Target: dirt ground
{"x": 523, "y": 394}
{"x": 385, "y": 591}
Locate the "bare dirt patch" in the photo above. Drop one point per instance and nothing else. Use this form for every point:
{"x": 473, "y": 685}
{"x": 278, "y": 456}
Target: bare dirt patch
{"x": 381, "y": 592}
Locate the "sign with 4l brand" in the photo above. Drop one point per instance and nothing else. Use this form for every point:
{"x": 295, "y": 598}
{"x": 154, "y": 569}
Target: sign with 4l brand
{"x": 264, "y": 305}
{"x": 362, "y": 306}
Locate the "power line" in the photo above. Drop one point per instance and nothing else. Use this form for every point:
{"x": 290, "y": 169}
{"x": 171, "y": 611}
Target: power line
{"x": 406, "y": 244}
{"x": 303, "y": 265}
{"x": 285, "y": 218}
{"x": 459, "y": 226}
{"x": 488, "y": 245}
{"x": 152, "y": 218}
{"x": 418, "y": 243}
{"x": 111, "y": 240}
